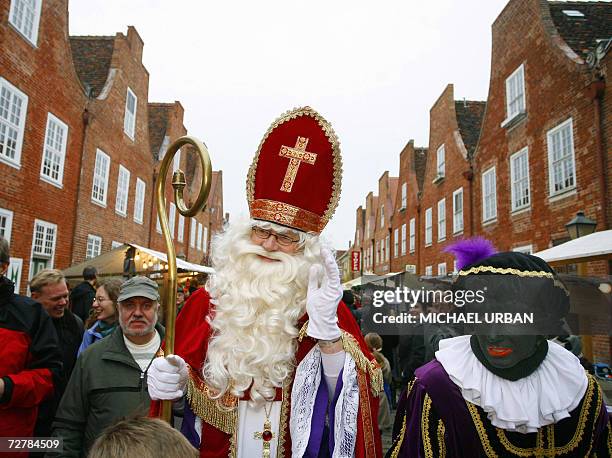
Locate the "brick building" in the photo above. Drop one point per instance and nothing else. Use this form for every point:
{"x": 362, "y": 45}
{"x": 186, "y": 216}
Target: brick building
{"x": 387, "y": 192}
{"x": 446, "y": 204}
{"x": 42, "y": 114}
{"x": 541, "y": 156}
{"x": 79, "y": 148}
{"x": 369, "y": 240}
{"x": 407, "y": 213}
{"x": 358, "y": 241}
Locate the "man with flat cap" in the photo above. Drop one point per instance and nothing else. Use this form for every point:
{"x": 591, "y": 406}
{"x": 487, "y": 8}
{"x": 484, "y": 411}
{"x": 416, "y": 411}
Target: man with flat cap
{"x": 109, "y": 380}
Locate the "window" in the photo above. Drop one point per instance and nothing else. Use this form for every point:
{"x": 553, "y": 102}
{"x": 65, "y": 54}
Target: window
{"x": 192, "y": 233}
{"x": 441, "y": 162}
{"x": 100, "y": 178}
{"x": 176, "y": 161}
{"x": 139, "y": 201}
{"x": 54, "y": 152}
{"x": 6, "y": 223}
{"x": 412, "y": 234}
{"x": 377, "y": 252}
{"x": 43, "y": 246}
{"x": 519, "y": 179}
{"x": 199, "y": 234}
{"x": 429, "y": 271}
{"x": 172, "y": 219}
{"x": 158, "y": 225}
{"x": 181, "y": 228}
{"x": 13, "y": 110}
{"x": 123, "y": 186}
{"x": 441, "y": 220}
{"x": 403, "y": 239}
{"x": 357, "y": 234}
{"x": 115, "y": 244}
{"x": 458, "y": 210}
{"x": 527, "y": 249}
{"x": 428, "y": 226}
{"x": 404, "y": 195}
{"x": 25, "y": 15}
{"x": 396, "y": 241}
{"x": 387, "y": 244}
{"x": 515, "y": 93}
{"x": 561, "y": 166}
{"x": 489, "y": 195}
{"x": 94, "y": 246}
{"x": 573, "y": 13}
{"x": 455, "y": 270}
{"x": 382, "y": 216}
{"x": 367, "y": 228}
{"x": 129, "y": 120}
{"x": 205, "y": 240}
{"x": 442, "y": 268}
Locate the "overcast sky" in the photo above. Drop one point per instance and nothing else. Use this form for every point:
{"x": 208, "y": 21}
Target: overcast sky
{"x": 373, "y": 69}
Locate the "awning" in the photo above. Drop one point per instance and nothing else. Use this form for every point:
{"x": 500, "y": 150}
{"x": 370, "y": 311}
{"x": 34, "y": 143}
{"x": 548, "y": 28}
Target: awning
{"x": 594, "y": 247}
{"x": 111, "y": 262}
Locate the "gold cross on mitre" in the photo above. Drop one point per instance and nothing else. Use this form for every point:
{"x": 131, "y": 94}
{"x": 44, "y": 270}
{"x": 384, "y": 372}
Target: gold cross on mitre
{"x": 266, "y": 436}
{"x": 296, "y": 155}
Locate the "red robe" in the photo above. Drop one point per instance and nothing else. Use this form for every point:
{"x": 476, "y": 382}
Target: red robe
{"x": 191, "y": 343}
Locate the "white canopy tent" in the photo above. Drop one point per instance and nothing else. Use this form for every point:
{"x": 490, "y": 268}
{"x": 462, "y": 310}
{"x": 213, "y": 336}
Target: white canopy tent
{"x": 594, "y": 247}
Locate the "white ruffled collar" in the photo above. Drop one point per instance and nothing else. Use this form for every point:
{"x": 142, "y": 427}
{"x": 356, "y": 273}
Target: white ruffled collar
{"x": 544, "y": 397}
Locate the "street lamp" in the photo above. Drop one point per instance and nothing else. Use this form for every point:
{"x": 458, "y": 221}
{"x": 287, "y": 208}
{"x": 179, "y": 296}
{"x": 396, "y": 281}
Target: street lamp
{"x": 580, "y": 226}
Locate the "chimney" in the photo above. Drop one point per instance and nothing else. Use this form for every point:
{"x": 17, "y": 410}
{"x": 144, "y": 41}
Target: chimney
{"x": 135, "y": 42}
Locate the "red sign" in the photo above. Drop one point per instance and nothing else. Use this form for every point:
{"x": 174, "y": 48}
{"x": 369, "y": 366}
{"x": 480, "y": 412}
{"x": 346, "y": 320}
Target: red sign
{"x": 355, "y": 258}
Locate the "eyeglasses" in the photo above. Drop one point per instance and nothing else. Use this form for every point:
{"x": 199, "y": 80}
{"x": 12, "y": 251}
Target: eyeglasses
{"x": 101, "y": 299}
{"x": 281, "y": 239}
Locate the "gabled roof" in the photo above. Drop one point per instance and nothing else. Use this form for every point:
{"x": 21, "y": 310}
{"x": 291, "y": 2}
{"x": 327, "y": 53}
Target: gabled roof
{"x": 420, "y": 163}
{"x": 469, "y": 119}
{"x": 92, "y": 59}
{"x": 582, "y": 32}
{"x": 158, "y": 123}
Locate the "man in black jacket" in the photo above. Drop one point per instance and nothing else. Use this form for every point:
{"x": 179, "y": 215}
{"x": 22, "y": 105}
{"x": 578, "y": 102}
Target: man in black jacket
{"x": 30, "y": 361}
{"x": 82, "y": 296}
{"x": 49, "y": 288}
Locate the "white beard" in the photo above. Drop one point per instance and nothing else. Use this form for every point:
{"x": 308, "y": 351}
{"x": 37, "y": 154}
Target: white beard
{"x": 256, "y": 308}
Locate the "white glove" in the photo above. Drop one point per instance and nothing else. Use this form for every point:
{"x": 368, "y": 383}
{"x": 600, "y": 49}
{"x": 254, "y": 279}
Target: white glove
{"x": 167, "y": 378}
{"x": 322, "y": 302}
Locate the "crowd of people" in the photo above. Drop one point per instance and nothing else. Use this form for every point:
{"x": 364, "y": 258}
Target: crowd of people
{"x": 269, "y": 358}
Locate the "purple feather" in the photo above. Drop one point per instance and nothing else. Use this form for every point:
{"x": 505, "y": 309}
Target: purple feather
{"x": 471, "y": 250}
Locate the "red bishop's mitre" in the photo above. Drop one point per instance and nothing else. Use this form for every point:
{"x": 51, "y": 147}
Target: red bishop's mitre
{"x": 296, "y": 175}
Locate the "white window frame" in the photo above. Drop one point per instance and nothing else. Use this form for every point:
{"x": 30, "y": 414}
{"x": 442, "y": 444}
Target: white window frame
{"x": 442, "y": 268}
{"x": 387, "y": 247}
{"x": 192, "y": 233}
{"x": 102, "y": 177}
{"x": 512, "y": 111}
{"x": 115, "y": 244}
{"x": 428, "y": 226}
{"x": 395, "y": 242}
{"x": 8, "y": 121}
{"x": 377, "y": 252}
{"x": 139, "y": 199}
{"x": 455, "y": 270}
{"x": 94, "y": 246}
{"x": 412, "y": 235}
{"x": 129, "y": 118}
{"x": 442, "y": 220}
{"x": 205, "y": 240}
{"x": 403, "y": 239}
{"x": 32, "y": 37}
{"x": 50, "y": 254}
{"x": 441, "y": 162}
{"x": 457, "y": 212}
{"x": 176, "y": 161}
{"x": 489, "y": 195}
{"x": 180, "y": 236}
{"x": 527, "y": 249}
{"x": 569, "y": 158}
{"x": 7, "y": 228}
{"x": 429, "y": 271}
{"x": 54, "y": 154}
{"x": 382, "y": 215}
{"x": 158, "y": 224}
{"x": 123, "y": 189}
{"x": 404, "y": 195}
{"x": 172, "y": 218}
{"x": 520, "y": 189}
{"x": 199, "y": 237}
